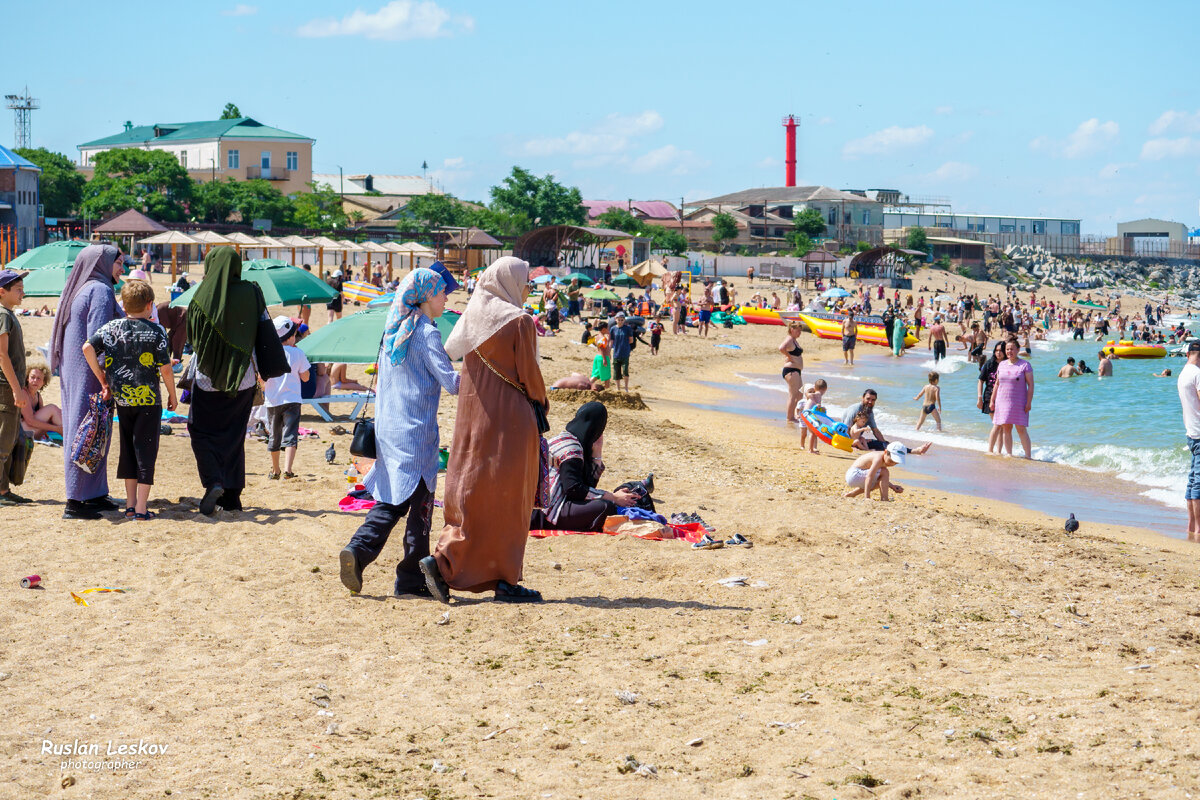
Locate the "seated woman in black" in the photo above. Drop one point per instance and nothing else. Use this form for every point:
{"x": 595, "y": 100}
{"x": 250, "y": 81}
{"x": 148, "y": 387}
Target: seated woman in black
{"x": 574, "y": 503}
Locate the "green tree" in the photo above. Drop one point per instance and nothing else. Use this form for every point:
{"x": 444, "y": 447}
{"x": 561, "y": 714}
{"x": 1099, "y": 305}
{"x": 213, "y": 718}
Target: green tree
{"x": 431, "y": 211}
{"x": 319, "y": 209}
{"x": 258, "y": 199}
{"x": 862, "y": 247}
{"x": 724, "y": 228}
{"x": 215, "y": 201}
{"x": 542, "y": 201}
{"x": 151, "y": 181}
{"x": 499, "y": 223}
{"x": 666, "y": 239}
{"x": 231, "y": 112}
{"x": 61, "y": 185}
{"x": 917, "y": 240}
{"x": 801, "y": 244}
{"x": 619, "y": 219}
{"x": 809, "y": 222}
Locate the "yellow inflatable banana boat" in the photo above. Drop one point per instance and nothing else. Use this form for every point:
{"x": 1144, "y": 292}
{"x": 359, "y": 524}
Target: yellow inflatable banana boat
{"x": 1128, "y": 349}
{"x": 829, "y": 326}
{"x": 760, "y": 316}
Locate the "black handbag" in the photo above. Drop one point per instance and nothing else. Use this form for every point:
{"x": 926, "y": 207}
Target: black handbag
{"x": 268, "y": 350}
{"x": 362, "y": 443}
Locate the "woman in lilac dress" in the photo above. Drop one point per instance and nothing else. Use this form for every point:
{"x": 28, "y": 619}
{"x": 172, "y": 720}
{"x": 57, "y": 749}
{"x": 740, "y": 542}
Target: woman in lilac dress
{"x": 87, "y": 303}
{"x": 1012, "y": 398}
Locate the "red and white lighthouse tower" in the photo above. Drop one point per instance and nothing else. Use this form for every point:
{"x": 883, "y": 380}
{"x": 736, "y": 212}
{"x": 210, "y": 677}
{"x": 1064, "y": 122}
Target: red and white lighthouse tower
{"x": 790, "y": 122}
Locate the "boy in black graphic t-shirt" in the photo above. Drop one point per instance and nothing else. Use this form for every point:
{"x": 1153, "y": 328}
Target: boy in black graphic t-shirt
{"x": 136, "y": 353}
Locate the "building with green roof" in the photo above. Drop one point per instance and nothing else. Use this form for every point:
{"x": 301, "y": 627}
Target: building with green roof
{"x": 241, "y": 148}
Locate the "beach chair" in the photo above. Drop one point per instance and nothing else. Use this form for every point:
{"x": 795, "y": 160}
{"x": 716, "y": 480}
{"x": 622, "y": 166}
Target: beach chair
{"x": 359, "y": 399}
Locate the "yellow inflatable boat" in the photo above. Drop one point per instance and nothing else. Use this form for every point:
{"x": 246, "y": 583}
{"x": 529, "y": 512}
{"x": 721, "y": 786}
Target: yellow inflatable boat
{"x": 1128, "y": 349}
{"x": 829, "y": 326}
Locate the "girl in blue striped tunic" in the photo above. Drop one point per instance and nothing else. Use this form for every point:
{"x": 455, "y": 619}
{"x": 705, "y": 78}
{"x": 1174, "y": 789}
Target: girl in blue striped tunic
{"x": 413, "y": 370}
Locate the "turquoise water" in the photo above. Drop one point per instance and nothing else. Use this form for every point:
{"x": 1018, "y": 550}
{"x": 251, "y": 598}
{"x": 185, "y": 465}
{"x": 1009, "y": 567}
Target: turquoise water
{"x": 1125, "y": 432}
{"x": 1128, "y": 425}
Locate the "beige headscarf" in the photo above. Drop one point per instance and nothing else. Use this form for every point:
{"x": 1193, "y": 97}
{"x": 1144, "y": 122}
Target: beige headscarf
{"x": 497, "y": 300}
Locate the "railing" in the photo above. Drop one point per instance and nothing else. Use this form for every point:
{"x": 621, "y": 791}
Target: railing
{"x": 268, "y": 173}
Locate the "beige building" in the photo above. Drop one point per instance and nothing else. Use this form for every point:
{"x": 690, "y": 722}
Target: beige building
{"x": 241, "y": 148}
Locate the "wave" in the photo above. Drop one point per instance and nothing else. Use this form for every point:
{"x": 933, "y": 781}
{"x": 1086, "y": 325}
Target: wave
{"x": 947, "y": 365}
{"x": 1160, "y": 470}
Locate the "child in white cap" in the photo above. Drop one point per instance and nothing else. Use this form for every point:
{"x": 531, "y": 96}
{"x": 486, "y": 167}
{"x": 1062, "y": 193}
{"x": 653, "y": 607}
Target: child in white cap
{"x": 282, "y": 399}
{"x": 870, "y": 472}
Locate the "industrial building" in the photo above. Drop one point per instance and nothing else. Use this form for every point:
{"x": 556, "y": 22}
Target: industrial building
{"x": 769, "y": 213}
{"x": 1058, "y": 235}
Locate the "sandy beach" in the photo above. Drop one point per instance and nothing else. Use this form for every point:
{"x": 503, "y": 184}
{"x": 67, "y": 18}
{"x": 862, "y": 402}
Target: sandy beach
{"x": 938, "y": 646}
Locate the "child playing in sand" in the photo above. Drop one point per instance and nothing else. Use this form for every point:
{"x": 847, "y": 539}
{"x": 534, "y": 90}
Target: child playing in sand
{"x": 870, "y": 472}
{"x": 136, "y": 353}
{"x": 602, "y": 362}
{"x": 813, "y": 393}
{"x": 932, "y": 402}
{"x": 37, "y": 418}
{"x": 860, "y": 425}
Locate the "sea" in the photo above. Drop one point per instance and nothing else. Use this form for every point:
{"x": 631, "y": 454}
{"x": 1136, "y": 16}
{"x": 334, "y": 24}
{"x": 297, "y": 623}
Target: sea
{"x": 1120, "y": 438}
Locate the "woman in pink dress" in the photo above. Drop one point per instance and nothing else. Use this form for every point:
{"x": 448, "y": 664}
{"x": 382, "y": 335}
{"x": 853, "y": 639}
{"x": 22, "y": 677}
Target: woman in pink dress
{"x": 1012, "y": 398}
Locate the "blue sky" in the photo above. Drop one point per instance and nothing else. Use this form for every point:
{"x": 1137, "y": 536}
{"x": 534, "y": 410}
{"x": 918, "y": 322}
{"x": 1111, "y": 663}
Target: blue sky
{"x": 1067, "y": 109}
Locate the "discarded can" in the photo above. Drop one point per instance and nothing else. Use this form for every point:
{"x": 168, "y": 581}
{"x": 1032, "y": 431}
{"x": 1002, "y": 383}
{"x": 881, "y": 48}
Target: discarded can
{"x": 31, "y": 581}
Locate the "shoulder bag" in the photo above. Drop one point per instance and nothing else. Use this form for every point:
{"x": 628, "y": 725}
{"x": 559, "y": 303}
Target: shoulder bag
{"x": 362, "y": 443}
{"x": 539, "y": 410}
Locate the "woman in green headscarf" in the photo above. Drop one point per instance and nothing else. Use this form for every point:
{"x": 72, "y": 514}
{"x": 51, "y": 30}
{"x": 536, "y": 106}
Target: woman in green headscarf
{"x": 222, "y": 320}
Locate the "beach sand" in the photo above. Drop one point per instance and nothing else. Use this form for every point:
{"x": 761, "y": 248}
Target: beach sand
{"x": 936, "y": 646}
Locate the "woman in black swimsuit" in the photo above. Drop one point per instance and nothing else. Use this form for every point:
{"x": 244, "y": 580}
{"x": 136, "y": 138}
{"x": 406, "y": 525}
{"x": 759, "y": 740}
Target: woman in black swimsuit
{"x": 793, "y": 366}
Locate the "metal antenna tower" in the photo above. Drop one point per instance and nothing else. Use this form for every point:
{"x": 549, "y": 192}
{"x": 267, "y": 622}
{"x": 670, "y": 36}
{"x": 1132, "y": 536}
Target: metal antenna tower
{"x": 22, "y": 107}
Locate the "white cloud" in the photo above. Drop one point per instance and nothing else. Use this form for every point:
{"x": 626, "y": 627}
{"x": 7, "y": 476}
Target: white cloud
{"x": 1090, "y": 137}
{"x": 825, "y": 121}
{"x": 454, "y": 163}
{"x": 954, "y": 171}
{"x": 887, "y": 141}
{"x": 943, "y": 110}
{"x": 398, "y": 20}
{"x": 769, "y": 162}
{"x": 668, "y": 158}
{"x": 240, "y": 10}
{"x": 1180, "y": 121}
{"x": 1156, "y": 149}
{"x": 611, "y": 136}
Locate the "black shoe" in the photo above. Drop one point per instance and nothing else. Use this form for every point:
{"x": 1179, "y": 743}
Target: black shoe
{"x": 508, "y": 593}
{"x": 413, "y": 591}
{"x": 351, "y": 571}
{"x": 208, "y": 504}
{"x": 434, "y": 581}
{"x": 104, "y": 503}
{"x": 78, "y": 509}
{"x": 230, "y": 501}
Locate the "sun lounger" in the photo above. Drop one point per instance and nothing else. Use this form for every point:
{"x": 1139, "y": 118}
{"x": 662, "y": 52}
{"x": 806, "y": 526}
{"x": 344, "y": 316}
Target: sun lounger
{"x": 359, "y": 399}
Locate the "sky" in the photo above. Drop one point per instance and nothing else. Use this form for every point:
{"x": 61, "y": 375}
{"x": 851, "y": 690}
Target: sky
{"x": 1065, "y": 109}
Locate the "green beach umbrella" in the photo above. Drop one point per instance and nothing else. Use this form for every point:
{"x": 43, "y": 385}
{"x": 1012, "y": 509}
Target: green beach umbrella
{"x": 48, "y": 255}
{"x": 602, "y": 294}
{"x": 578, "y": 276}
{"x": 281, "y": 283}
{"x": 355, "y": 339}
{"x": 624, "y": 280}
{"x": 47, "y": 281}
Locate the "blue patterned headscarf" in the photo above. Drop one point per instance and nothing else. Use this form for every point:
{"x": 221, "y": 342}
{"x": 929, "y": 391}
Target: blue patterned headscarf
{"x": 420, "y": 285}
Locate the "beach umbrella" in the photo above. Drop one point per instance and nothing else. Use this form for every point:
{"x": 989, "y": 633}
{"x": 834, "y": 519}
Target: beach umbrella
{"x": 584, "y": 280}
{"x": 48, "y": 255}
{"x": 944, "y": 298}
{"x": 296, "y": 242}
{"x": 47, "y": 281}
{"x": 281, "y": 283}
{"x": 835, "y": 292}
{"x": 624, "y": 279}
{"x": 355, "y": 339}
{"x": 360, "y": 291}
{"x": 540, "y": 279}
{"x": 173, "y": 238}
{"x": 538, "y": 272}
{"x": 602, "y": 294}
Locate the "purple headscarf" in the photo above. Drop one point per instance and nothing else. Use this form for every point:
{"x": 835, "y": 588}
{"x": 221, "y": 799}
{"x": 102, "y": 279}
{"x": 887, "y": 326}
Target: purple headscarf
{"x": 94, "y": 263}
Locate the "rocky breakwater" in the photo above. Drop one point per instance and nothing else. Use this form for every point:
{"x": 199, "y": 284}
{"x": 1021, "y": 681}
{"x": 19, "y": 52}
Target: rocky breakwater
{"x": 1028, "y": 266}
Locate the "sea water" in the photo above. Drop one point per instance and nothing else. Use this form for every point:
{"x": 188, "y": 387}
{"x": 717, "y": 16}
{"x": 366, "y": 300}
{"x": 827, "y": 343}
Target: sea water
{"x": 1125, "y": 432}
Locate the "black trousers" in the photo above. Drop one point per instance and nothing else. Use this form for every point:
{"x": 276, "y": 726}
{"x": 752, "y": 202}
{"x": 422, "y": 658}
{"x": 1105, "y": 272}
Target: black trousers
{"x": 372, "y": 535}
{"x": 139, "y": 428}
{"x": 587, "y": 516}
